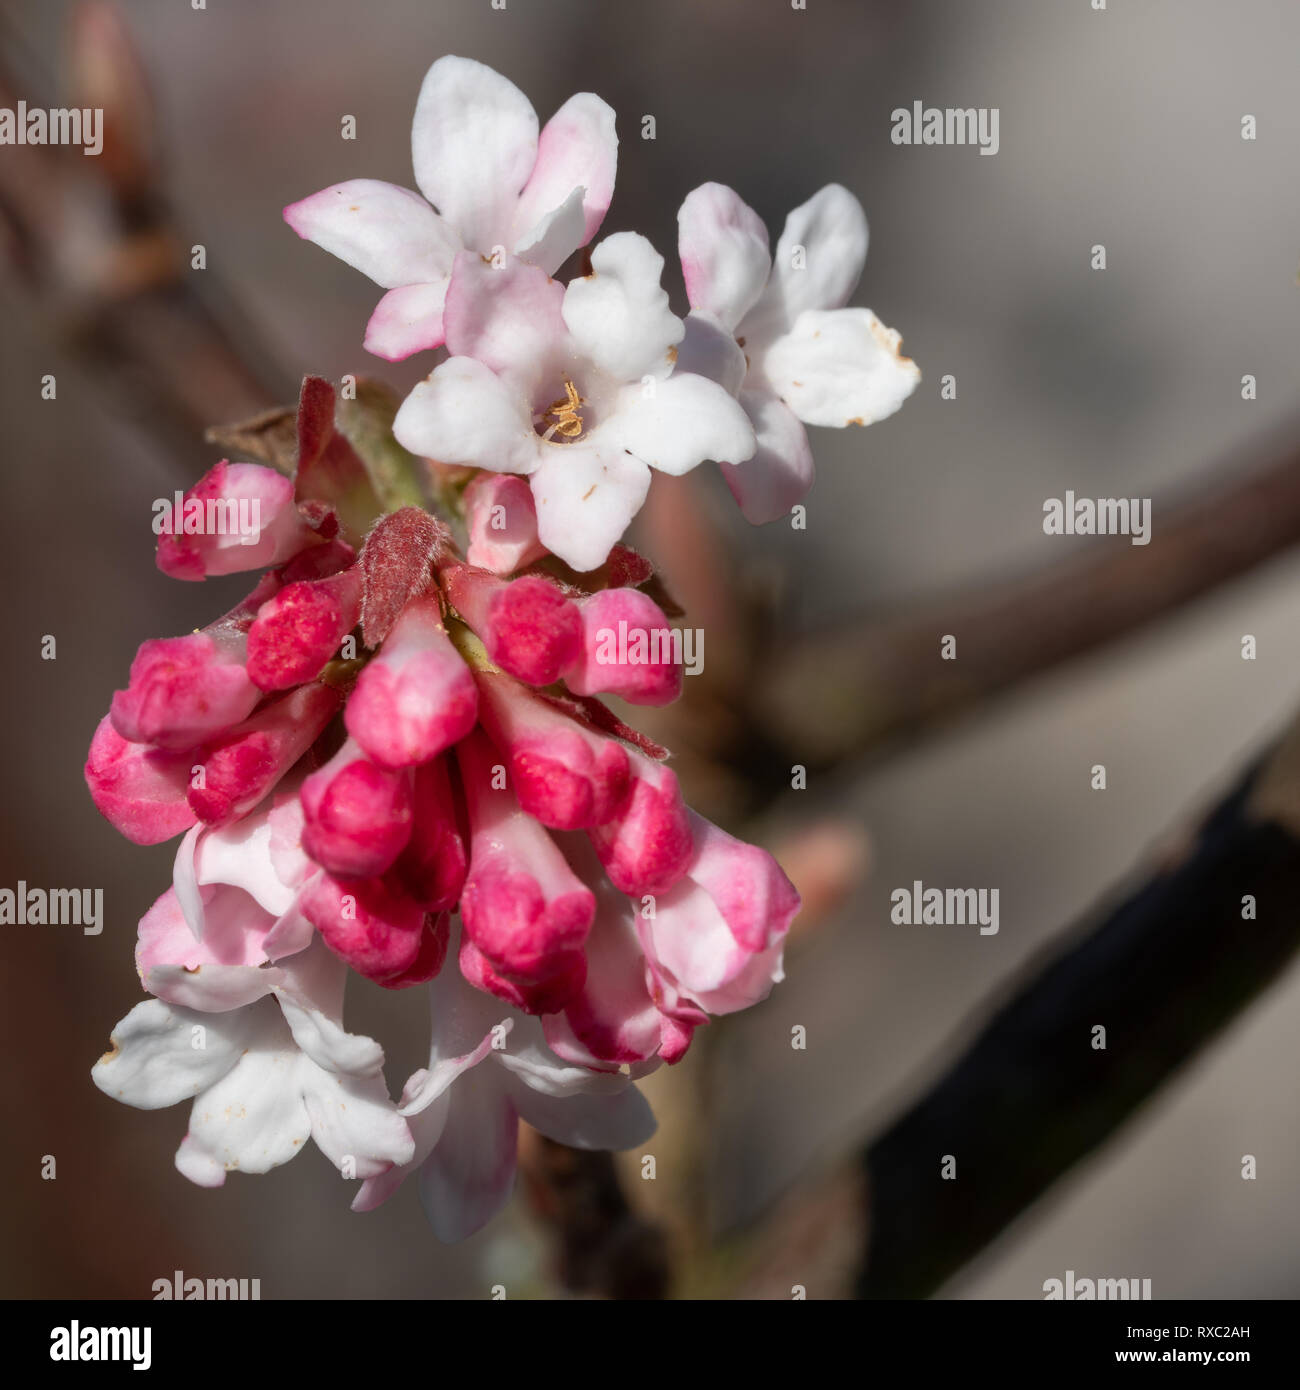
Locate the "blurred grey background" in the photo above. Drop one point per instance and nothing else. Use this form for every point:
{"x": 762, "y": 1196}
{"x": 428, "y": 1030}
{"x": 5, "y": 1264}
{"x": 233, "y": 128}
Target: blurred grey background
{"x": 1119, "y": 127}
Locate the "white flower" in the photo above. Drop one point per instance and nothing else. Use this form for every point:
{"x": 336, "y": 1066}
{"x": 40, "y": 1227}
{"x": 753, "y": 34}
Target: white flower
{"x": 573, "y": 387}
{"x": 264, "y": 1076}
{"x": 489, "y": 1067}
{"x": 774, "y": 331}
{"x": 498, "y": 186}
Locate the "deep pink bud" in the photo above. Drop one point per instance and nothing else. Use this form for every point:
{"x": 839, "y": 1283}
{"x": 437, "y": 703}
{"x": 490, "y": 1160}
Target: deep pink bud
{"x": 368, "y": 923}
{"x": 502, "y": 520}
{"x": 548, "y": 996}
{"x": 299, "y": 630}
{"x": 522, "y": 905}
{"x": 141, "y": 791}
{"x": 646, "y": 847}
{"x": 563, "y": 773}
{"x": 530, "y": 627}
{"x": 417, "y": 696}
{"x": 238, "y": 516}
{"x": 357, "y": 815}
{"x": 628, "y": 649}
{"x": 242, "y": 766}
{"x": 429, "y": 958}
{"x": 433, "y": 864}
{"x": 183, "y": 690}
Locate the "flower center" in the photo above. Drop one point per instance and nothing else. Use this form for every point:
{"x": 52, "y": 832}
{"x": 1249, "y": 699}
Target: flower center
{"x": 561, "y": 419}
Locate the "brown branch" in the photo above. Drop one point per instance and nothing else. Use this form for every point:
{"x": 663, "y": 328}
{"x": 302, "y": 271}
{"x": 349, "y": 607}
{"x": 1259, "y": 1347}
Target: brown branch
{"x": 1164, "y": 970}
{"x": 844, "y": 694}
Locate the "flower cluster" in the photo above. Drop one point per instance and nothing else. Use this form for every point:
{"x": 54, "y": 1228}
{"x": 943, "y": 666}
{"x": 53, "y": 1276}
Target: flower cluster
{"x": 391, "y": 759}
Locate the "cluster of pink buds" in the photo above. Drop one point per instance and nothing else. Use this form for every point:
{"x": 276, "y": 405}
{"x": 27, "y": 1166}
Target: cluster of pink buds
{"x": 392, "y": 758}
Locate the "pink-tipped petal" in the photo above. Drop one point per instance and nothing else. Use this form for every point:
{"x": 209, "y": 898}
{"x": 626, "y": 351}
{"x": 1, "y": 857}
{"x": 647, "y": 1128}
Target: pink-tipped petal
{"x": 522, "y": 904}
{"x": 141, "y": 791}
{"x": 646, "y": 847}
{"x": 238, "y": 516}
{"x": 529, "y": 626}
{"x": 564, "y": 774}
{"x": 502, "y": 521}
{"x": 407, "y": 320}
{"x": 432, "y": 867}
{"x": 357, "y": 815}
{"x": 628, "y": 649}
{"x": 724, "y": 251}
{"x": 384, "y": 231}
{"x": 417, "y": 696}
{"x": 578, "y": 148}
{"x": 183, "y": 690}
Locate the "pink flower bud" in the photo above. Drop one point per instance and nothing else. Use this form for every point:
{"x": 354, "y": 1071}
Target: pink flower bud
{"x": 530, "y": 627}
{"x": 300, "y": 629}
{"x": 417, "y": 696}
{"x": 429, "y": 957}
{"x": 718, "y": 934}
{"x": 546, "y": 997}
{"x": 522, "y": 904}
{"x": 243, "y": 764}
{"x": 368, "y": 923}
{"x": 238, "y": 516}
{"x": 141, "y": 791}
{"x": 183, "y": 690}
{"x": 432, "y": 866}
{"x": 564, "y": 774}
{"x": 502, "y": 520}
{"x": 628, "y": 649}
{"x": 357, "y": 816}
{"x": 646, "y": 847}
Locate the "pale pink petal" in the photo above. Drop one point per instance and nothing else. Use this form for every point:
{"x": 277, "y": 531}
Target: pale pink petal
{"x": 407, "y": 320}
{"x": 578, "y": 148}
{"x": 386, "y": 232}
{"x": 768, "y": 485}
{"x": 508, "y": 318}
{"x": 473, "y": 145}
{"x": 468, "y": 1177}
{"x": 724, "y": 252}
{"x": 620, "y": 1121}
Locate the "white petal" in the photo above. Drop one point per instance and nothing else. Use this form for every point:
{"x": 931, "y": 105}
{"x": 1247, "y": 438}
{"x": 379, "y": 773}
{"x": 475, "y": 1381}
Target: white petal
{"x": 386, "y": 232}
{"x": 724, "y": 252}
{"x": 465, "y": 1023}
{"x": 464, "y": 413}
{"x": 708, "y": 349}
{"x": 209, "y": 988}
{"x": 676, "y": 424}
{"x": 426, "y": 1128}
{"x": 353, "y": 1118}
{"x": 473, "y": 144}
{"x": 467, "y": 1178}
{"x": 254, "y": 1118}
{"x": 548, "y": 243}
{"x": 407, "y": 320}
{"x": 585, "y": 497}
{"x": 532, "y": 1064}
{"x": 841, "y": 367}
{"x": 620, "y": 1121}
{"x": 240, "y": 854}
{"x": 619, "y": 315}
{"x": 154, "y": 1060}
{"x": 577, "y": 149}
{"x": 781, "y": 471}
{"x": 310, "y": 989}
